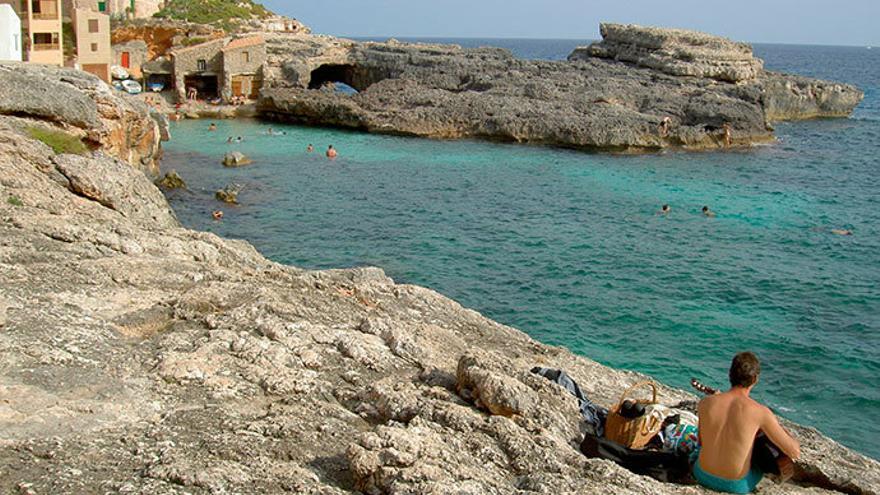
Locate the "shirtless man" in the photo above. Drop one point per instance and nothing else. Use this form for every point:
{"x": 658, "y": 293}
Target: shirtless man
{"x": 729, "y": 423}
{"x": 331, "y": 152}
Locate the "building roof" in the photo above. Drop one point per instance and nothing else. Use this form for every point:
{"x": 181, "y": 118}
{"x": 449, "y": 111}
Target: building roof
{"x": 244, "y": 42}
{"x": 194, "y": 47}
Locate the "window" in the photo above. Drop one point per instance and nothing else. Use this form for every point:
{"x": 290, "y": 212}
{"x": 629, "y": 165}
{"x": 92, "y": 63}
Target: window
{"x": 36, "y": 6}
{"x": 94, "y": 47}
{"x": 246, "y": 56}
{"x": 45, "y": 41}
{"x": 202, "y": 65}
{"x": 102, "y": 6}
{"x": 15, "y": 41}
{"x": 93, "y": 26}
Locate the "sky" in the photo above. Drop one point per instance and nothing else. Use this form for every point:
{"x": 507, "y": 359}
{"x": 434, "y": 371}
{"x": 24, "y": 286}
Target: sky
{"x": 841, "y": 22}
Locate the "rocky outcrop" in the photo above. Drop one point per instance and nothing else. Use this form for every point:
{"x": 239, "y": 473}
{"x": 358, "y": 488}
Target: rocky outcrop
{"x": 82, "y": 105}
{"x": 797, "y": 98}
{"x": 140, "y": 357}
{"x": 235, "y": 159}
{"x": 172, "y": 180}
{"x": 677, "y": 52}
{"x": 444, "y": 91}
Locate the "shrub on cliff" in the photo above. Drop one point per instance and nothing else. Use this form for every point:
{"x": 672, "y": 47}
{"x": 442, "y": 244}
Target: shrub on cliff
{"x": 59, "y": 141}
{"x": 212, "y": 11}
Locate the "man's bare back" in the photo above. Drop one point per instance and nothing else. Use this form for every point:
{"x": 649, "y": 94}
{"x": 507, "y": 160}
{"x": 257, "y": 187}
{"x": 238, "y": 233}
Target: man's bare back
{"x": 729, "y": 424}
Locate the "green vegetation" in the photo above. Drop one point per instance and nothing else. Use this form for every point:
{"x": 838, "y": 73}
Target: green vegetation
{"x": 213, "y": 11}
{"x": 14, "y": 201}
{"x": 193, "y": 41}
{"x": 68, "y": 38}
{"x": 59, "y": 141}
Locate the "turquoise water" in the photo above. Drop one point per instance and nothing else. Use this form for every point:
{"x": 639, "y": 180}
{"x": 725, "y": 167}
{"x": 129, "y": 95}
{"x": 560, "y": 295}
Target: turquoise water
{"x": 568, "y": 247}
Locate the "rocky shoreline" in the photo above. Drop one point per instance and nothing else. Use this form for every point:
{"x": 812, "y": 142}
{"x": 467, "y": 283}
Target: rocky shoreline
{"x": 640, "y": 89}
{"x": 142, "y": 357}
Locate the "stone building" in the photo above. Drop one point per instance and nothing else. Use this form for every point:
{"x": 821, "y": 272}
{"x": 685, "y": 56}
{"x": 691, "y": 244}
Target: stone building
{"x": 220, "y": 68}
{"x": 131, "y": 56}
{"x": 10, "y": 34}
{"x": 243, "y": 61}
{"x": 41, "y": 27}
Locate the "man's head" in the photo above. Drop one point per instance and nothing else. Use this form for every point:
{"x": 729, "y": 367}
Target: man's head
{"x": 744, "y": 370}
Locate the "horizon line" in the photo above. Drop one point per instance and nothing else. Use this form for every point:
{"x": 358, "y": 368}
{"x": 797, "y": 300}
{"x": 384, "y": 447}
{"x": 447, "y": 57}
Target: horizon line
{"x": 534, "y": 38}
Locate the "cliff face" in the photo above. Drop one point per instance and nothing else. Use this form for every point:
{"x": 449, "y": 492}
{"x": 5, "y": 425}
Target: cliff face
{"x": 140, "y": 357}
{"x": 614, "y": 95}
{"x": 82, "y": 105}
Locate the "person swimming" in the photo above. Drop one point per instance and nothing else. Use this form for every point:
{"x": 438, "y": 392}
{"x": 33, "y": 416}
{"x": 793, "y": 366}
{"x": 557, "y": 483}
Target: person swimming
{"x": 331, "y": 152}
{"x": 212, "y": 127}
{"x": 310, "y": 148}
{"x": 664, "y": 210}
{"x": 239, "y": 139}
{"x": 229, "y": 140}
{"x": 708, "y": 213}
{"x": 841, "y": 231}
{"x": 218, "y": 215}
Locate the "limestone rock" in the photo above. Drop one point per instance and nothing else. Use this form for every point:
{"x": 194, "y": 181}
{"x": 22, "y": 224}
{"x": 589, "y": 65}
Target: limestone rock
{"x": 228, "y": 194}
{"x": 596, "y": 101}
{"x": 81, "y": 103}
{"x": 141, "y": 357}
{"x": 677, "y": 52}
{"x": 172, "y": 180}
{"x": 236, "y": 159}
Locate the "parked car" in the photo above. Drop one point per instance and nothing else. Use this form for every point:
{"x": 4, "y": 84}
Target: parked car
{"x": 118, "y": 72}
{"x": 132, "y": 87}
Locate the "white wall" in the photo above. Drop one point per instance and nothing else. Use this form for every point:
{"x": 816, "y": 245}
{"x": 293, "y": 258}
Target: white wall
{"x": 10, "y": 34}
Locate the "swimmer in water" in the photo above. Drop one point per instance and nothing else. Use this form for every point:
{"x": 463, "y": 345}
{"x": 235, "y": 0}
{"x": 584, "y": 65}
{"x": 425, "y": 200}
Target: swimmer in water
{"x": 664, "y": 210}
{"x": 218, "y": 215}
{"x": 212, "y": 127}
{"x": 841, "y": 231}
{"x": 708, "y": 213}
{"x": 239, "y": 139}
{"x": 331, "y": 152}
{"x": 310, "y": 148}
{"x": 229, "y": 140}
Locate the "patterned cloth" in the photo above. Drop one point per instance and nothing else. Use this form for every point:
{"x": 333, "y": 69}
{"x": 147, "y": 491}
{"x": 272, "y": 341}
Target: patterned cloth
{"x": 681, "y": 438}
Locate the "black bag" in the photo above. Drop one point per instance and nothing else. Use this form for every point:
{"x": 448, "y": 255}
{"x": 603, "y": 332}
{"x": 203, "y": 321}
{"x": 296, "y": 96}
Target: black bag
{"x": 663, "y": 466}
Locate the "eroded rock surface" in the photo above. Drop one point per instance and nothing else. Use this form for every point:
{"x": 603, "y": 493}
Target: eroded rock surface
{"x": 81, "y": 104}
{"x": 140, "y": 357}
{"x": 614, "y": 96}
{"x": 677, "y": 52}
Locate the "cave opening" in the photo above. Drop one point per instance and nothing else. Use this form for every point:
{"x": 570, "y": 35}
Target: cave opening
{"x": 344, "y": 76}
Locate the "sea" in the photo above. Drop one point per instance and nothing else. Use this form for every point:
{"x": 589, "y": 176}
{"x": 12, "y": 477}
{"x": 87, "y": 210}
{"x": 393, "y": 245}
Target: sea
{"x": 568, "y": 246}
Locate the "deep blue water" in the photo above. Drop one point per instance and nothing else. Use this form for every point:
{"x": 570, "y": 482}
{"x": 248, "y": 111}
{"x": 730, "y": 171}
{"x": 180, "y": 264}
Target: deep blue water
{"x": 567, "y": 246}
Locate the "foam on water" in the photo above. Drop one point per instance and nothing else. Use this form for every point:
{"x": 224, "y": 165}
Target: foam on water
{"x": 568, "y": 247}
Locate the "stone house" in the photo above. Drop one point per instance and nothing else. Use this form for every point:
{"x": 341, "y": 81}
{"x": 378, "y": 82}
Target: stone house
{"x": 10, "y": 34}
{"x": 131, "y": 55}
{"x": 220, "y": 68}
{"x": 243, "y": 61}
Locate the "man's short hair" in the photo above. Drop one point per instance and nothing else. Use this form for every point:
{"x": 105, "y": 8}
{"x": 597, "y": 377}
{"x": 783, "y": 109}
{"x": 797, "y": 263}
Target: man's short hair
{"x": 744, "y": 370}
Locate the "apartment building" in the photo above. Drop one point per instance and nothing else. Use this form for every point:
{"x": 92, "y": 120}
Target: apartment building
{"x": 93, "y": 52}
{"x": 10, "y": 34}
{"x": 41, "y": 29}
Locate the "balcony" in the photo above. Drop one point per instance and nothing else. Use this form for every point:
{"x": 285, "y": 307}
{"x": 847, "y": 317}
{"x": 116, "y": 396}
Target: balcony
{"x": 44, "y": 47}
{"x": 45, "y": 10}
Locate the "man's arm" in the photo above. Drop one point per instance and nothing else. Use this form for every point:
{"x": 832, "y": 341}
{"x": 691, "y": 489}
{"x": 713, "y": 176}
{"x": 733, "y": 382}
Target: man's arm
{"x": 777, "y": 434}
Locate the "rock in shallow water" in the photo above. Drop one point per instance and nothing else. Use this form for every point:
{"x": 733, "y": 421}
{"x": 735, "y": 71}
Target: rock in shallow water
{"x": 236, "y": 159}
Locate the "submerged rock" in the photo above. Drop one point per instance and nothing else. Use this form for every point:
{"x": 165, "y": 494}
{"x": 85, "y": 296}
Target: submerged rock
{"x": 172, "y": 180}
{"x": 236, "y": 159}
{"x": 228, "y": 194}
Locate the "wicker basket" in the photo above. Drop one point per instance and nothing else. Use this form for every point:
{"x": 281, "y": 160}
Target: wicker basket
{"x": 633, "y": 433}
